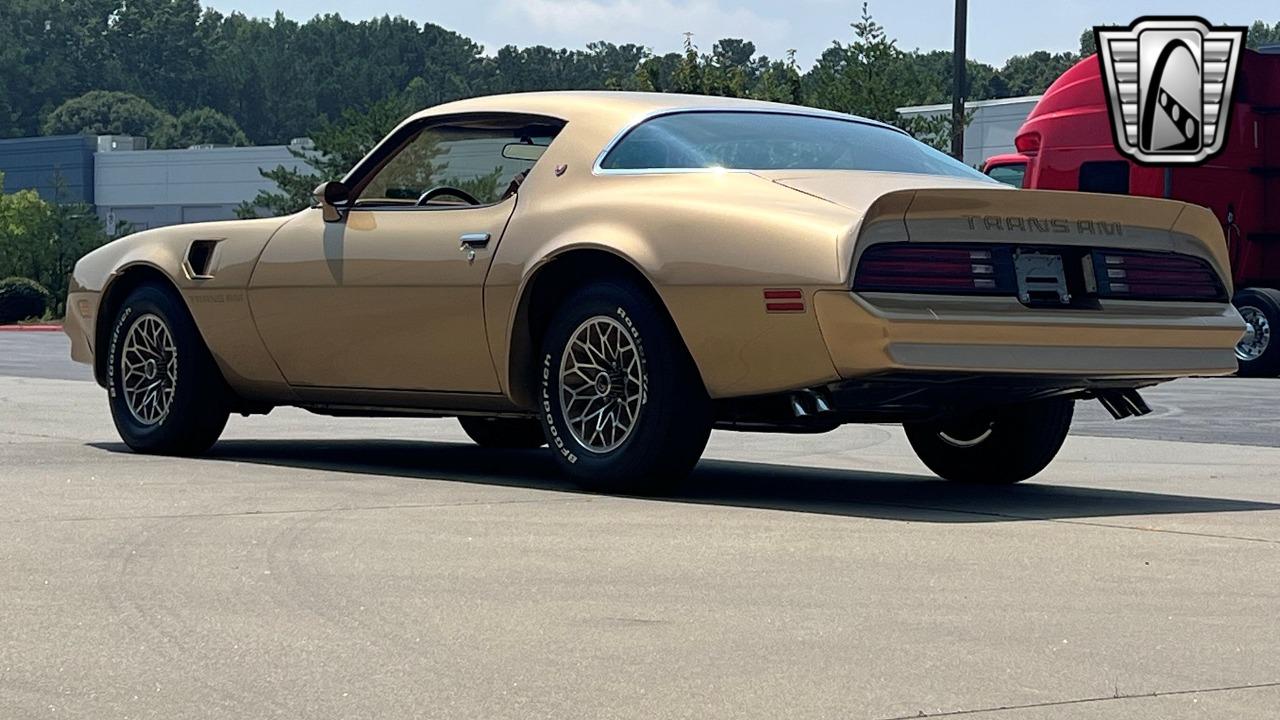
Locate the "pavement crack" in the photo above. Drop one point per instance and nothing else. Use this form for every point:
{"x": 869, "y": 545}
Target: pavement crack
{"x": 1189, "y": 533}
{"x": 1085, "y": 523}
{"x": 301, "y": 511}
{"x": 1083, "y": 701}
{"x": 41, "y": 436}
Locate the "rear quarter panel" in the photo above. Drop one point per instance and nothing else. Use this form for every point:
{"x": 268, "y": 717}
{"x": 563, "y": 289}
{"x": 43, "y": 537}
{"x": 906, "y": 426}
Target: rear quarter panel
{"x": 708, "y": 243}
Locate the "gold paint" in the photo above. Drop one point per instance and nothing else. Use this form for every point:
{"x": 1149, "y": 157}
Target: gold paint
{"x": 383, "y": 304}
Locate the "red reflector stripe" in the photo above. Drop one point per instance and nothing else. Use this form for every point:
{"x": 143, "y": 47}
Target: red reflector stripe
{"x": 784, "y": 307}
{"x": 892, "y": 283}
{"x": 893, "y": 267}
{"x": 782, "y": 295}
{"x": 1137, "y": 274}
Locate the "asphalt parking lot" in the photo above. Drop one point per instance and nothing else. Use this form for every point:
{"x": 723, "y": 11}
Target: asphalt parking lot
{"x": 314, "y": 567}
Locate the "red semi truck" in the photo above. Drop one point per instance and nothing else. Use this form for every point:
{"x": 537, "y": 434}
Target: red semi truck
{"x": 1066, "y": 144}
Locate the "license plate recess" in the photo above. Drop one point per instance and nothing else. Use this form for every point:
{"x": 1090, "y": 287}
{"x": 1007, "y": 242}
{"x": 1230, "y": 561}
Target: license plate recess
{"x": 1042, "y": 279}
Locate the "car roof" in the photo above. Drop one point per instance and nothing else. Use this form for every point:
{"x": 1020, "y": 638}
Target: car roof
{"x": 620, "y": 109}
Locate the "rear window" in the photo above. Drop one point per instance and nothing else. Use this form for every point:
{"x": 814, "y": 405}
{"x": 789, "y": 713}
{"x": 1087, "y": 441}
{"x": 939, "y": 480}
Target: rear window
{"x": 775, "y": 141}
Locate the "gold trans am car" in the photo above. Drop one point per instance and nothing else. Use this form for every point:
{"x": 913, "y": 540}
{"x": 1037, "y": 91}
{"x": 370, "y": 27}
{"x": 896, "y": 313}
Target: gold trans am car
{"x": 616, "y": 274}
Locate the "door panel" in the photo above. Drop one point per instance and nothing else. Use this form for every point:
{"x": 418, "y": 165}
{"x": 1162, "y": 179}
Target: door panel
{"x": 385, "y": 299}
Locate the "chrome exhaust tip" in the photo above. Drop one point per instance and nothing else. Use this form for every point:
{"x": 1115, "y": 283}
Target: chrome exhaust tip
{"x": 1124, "y": 403}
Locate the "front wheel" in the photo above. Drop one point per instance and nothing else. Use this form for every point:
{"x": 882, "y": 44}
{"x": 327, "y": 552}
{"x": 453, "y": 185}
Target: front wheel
{"x": 1258, "y": 353}
{"x": 621, "y": 403}
{"x": 166, "y": 393}
{"x": 998, "y": 446}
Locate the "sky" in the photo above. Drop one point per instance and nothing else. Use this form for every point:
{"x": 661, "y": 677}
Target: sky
{"x": 998, "y": 29}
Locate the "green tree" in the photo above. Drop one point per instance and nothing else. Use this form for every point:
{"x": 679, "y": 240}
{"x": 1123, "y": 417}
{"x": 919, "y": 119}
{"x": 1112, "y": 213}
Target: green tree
{"x": 338, "y": 147}
{"x": 159, "y": 51}
{"x": 656, "y": 73}
{"x": 1261, "y": 34}
{"x": 101, "y": 112}
{"x": 26, "y": 224}
{"x": 76, "y": 230}
{"x": 869, "y": 76}
{"x": 933, "y": 130}
{"x": 1088, "y": 43}
{"x": 205, "y": 126}
{"x": 779, "y": 81}
{"x": 731, "y": 69}
{"x": 42, "y": 240}
{"x": 54, "y": 50}
{"x": 616, "y": 65}
{"x": 1032, "y": 74}
{"x": 8, "y": 118}
{"x": 22, "y": 298}
{"x": 934, "y": 70}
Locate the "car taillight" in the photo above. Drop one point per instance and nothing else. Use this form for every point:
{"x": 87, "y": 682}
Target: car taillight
{"x": 945, "y": 269}
{"x": 1152, "y": 276}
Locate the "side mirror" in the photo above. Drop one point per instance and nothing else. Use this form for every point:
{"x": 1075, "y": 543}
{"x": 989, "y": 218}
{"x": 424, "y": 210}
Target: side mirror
{"x": 328, "y": 196}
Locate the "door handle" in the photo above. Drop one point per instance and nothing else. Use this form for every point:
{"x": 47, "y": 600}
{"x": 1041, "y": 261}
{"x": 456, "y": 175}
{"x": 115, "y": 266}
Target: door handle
{"x": 471, "y": 241}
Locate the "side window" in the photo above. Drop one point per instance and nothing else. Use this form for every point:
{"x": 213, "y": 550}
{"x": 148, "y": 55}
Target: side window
{"x": 1011, "y": 174}
{"x": 1109, "y": 176}
{"x": 481, "y": 158}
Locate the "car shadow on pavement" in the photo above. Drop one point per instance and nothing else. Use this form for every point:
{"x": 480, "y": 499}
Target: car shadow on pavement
{"x": 829, "y": 491}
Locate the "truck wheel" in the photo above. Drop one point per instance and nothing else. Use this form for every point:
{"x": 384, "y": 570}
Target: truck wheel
{"x": 1257, "y": 352}
{"x": 994, "y": 447}
{"x": 495, "y": 432}
{"x": 621, "y": 402}
{"x": 167, "y": 395}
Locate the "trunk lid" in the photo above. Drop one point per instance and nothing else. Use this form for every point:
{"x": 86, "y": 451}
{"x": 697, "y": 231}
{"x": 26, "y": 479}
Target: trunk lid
{"x": 924, "y": 208}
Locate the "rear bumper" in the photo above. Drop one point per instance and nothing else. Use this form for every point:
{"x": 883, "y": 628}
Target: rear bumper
{"x": 886, "y": 332}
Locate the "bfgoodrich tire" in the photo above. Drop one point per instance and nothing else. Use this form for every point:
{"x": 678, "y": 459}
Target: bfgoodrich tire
{"x": 496, "y": 432}
{"x": 622, "y": 405}
{"x": 1258, "y": 352}
{"x": 995, "y": 447}
{"x": 167, "y": 396}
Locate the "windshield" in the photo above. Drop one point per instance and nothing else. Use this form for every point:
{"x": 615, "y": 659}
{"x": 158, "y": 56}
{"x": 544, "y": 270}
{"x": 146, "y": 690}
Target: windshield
{"x": 775, "y": 141}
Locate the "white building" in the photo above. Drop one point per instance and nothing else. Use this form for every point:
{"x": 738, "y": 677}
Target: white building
{"x": 993, "y": 127}
{"x": 154, "y": 188}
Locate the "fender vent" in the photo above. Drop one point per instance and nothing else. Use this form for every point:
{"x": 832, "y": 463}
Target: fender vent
{"x": 200, "y": 259}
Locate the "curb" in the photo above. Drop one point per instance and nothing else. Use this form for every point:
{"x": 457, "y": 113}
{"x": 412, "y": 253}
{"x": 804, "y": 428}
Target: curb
{"x": 30, "y": 328}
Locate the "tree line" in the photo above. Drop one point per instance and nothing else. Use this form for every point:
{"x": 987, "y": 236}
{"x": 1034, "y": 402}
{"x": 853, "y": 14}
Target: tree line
{"x": 184, "y": 72}
{"x": 276, "y": 78}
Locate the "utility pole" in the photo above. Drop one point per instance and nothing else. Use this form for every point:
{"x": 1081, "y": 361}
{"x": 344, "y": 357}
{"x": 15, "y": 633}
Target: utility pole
{"x": 958, "y": 74}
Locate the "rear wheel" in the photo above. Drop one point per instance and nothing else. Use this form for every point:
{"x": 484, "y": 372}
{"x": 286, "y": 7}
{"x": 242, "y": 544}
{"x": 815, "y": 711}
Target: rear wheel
{"x": 166, "y": 393}
{"x": 621, "y": 402}
{"x": 1258, "y": 352}
{"x": 994, "y": 447}
{"x": 495, "y": 432}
